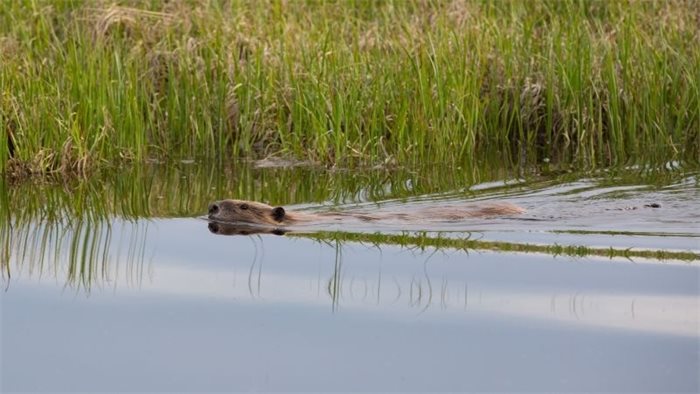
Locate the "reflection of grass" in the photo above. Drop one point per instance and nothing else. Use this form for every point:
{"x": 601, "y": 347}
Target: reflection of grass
{"x": 421, "y": 240}
{"x": 39, "y": 219}
{"x": 43, "y": 223}
{"x": 84, "y": 83}
{"x": 83, "y": 252}
{"x": 177, "y": 189}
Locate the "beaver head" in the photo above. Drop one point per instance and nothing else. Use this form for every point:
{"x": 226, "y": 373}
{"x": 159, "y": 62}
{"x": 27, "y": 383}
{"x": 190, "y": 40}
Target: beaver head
{"x": 246, "y": 212}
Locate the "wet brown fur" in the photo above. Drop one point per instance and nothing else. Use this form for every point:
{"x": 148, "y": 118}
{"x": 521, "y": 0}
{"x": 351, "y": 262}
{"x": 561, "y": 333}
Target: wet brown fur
{"x": 263, "y": 214}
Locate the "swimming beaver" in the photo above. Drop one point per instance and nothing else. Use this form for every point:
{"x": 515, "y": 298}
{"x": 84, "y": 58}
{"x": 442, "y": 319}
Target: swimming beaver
{"x": 263, "y": 214}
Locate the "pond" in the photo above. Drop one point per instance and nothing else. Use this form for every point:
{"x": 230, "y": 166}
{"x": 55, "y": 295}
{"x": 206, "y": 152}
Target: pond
{"x": 119, "y": 283}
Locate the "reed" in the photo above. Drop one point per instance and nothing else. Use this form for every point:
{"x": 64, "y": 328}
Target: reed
{"x": 86, "y": 84}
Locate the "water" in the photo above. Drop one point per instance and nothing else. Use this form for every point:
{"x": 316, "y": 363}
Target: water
{"x": 111, "y": 285}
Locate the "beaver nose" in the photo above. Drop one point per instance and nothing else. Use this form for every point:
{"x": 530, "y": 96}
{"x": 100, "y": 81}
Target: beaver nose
{"x": 213, "y": 208}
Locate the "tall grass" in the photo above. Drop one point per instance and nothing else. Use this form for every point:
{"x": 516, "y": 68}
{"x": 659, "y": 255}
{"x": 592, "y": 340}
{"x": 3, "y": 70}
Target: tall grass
{"x": 88, "y": 83}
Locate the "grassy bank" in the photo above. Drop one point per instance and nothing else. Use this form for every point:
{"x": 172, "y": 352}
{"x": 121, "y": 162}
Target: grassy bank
{"x": 87, "y": 83}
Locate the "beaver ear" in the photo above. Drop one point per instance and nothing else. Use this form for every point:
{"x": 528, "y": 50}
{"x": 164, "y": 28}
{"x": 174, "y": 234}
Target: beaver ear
{"x": 278, "y": 214}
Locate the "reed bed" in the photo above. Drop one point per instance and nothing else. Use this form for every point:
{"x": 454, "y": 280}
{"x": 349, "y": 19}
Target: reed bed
{"x": 87, "y": 84}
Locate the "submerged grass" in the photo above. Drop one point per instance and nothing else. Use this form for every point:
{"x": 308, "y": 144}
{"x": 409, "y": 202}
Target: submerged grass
{"x": 84, "y": 84}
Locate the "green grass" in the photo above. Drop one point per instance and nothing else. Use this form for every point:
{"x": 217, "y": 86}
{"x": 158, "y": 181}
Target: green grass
{"x": 86, "y": 84}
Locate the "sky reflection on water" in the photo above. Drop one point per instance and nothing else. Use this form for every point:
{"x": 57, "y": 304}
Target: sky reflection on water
{"x": 185, "y": 309}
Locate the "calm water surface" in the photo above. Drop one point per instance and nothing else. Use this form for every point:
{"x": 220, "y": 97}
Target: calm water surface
{"x": 135, "y": 293}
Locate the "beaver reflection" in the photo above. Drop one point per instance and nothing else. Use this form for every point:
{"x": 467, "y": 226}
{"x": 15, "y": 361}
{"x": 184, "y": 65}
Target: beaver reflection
{"x": 242, "y": 229}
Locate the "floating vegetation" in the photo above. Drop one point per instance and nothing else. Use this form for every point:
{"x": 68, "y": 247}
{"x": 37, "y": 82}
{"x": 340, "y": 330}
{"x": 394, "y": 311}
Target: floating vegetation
{"x": 90, "y": 84}
{"x": 424, "y": 240}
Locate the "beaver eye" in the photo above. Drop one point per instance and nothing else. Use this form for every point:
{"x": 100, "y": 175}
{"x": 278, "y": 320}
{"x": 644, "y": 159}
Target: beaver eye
{"x": 244, "y": 206}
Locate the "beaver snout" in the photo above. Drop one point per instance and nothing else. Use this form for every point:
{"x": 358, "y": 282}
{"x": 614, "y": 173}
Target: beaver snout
{"x": 213, "y": 209}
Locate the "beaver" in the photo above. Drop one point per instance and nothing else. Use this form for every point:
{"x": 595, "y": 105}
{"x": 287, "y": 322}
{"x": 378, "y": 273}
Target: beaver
{"x": 241, "y": 211}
